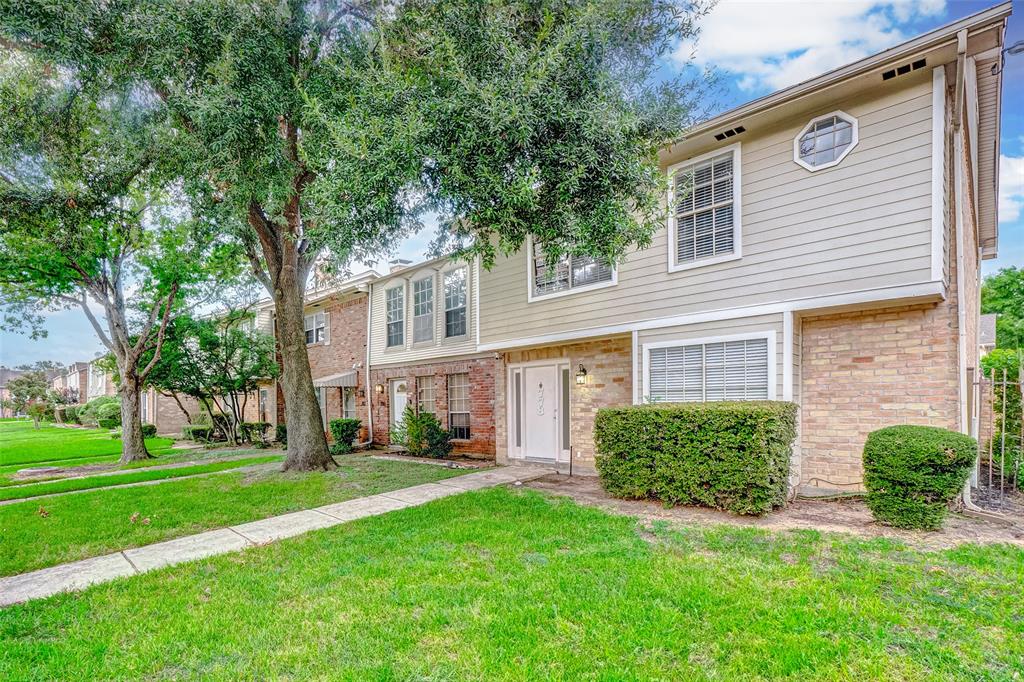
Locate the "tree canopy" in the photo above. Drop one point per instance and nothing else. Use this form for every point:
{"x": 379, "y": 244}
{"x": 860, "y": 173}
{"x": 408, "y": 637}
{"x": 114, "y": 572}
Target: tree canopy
{"x": 1003, "y": 294}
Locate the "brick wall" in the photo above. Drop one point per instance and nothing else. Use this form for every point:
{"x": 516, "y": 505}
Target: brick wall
{"x": 482, "y": 373}
{"x": 166, "y": 414}
{"x": 865, "y": 370}
{"x": 609, "y": 384}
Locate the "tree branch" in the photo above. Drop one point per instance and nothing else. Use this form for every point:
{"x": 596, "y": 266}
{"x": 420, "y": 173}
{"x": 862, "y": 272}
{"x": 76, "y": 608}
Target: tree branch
{"x": 160, "y": 335}
{"x": 94, "y": 322}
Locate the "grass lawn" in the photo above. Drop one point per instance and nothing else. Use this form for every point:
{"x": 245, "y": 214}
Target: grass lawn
{"x": 511, "y": 585}
{"x": 23, "y": 445}
{"x": 100, "y": 521}
{"x": 136, "y": 476}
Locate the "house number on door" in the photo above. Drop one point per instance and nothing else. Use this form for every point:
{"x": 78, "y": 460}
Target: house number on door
{"x": 540, "y": 399}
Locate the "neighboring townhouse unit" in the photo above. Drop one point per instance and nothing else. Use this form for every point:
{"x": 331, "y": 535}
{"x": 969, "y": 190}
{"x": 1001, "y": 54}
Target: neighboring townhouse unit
{"x": 99, "y": 382}
{"x": 77, "y": 379}
{"x": 336, "y": 337}
{"x": 423, "y": 350}
{"x": 823, "y": 247}
{"x": 6, "y": 374}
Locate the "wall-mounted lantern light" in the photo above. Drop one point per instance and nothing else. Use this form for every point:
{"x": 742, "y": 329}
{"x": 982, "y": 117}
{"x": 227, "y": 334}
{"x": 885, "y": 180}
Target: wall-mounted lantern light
{"x": 379, "y": 388}
{"x": 581, "y": 375}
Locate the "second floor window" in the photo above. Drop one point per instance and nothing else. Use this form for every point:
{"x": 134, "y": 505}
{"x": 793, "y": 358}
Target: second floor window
{"x": 705, "y": 216}
{"x": 315, "y": 325}
{"x": 568, "y": 273}
{"x": 423, "y": 309}
{"x": 455, "y": 303}
{"x": 395, "y": 310}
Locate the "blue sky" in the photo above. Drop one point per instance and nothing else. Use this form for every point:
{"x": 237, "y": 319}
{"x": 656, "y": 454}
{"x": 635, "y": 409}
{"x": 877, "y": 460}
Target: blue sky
{"x": 758, "y": 47}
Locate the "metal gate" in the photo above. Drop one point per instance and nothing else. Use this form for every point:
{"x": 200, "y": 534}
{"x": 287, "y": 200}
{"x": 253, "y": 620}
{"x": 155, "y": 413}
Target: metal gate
{"x": 997, "y": 478}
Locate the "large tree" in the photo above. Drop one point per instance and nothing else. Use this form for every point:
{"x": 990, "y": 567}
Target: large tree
{"x": 323, "y": 126}
{"x": 83, "y": 216}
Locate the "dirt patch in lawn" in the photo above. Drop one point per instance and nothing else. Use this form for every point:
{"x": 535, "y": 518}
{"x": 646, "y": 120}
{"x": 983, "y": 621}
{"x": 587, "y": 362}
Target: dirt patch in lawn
{"x": 849, "y": 515}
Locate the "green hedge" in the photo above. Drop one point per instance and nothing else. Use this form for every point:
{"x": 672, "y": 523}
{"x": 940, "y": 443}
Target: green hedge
{"x": 281, "y": 434}
{"x": 727, "y": 455}
{"x": 149, "y": 430}
{"x": 344, "y": 432}
{"x": 202, "y": 433}
{"x": 88, "y": 413}
{"x": 912, "y": 473}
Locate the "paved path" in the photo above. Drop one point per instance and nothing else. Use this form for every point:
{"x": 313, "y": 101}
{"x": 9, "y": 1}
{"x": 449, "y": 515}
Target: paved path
{"x": 135, "y": 484}
{"x": 79, "y": 574}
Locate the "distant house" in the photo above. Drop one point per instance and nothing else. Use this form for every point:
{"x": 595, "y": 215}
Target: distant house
{"x": 6, "y": 374}
{"x": 99, "y": 382}
{"x": 987, "y": 333}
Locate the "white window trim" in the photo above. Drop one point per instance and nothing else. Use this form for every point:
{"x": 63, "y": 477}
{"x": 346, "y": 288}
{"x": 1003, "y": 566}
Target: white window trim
{"x": 853, "y": 140}
{"x": 768, "y": 334}
{"x": 325, "y": 340}
{"x": 442, "y": 310}
{"x": 405, "y": 317}
{"x": 737, "y": 210}
{"x": 532, "y": 298}
{"x": 431, "y": 275}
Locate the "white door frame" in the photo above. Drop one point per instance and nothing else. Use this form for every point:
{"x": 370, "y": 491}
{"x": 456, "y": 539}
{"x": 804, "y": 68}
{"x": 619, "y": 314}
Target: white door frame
{"x": 396, "y": 415}
{"x": 560, "y": 365}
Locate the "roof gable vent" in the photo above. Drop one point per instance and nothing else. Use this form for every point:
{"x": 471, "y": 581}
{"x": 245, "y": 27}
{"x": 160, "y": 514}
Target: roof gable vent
{"x": 732, "y": 132}
{"x": 904, "y": 69}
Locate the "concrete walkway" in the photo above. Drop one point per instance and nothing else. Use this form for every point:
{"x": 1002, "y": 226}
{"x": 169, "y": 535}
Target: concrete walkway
{"x": 80, "y": 574}
{"x": 266, "y": 466}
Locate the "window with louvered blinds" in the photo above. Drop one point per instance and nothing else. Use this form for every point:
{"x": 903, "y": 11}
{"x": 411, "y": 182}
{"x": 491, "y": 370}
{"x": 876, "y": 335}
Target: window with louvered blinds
{"x": 727, "y": 370}
{"x": 704, "y": 215}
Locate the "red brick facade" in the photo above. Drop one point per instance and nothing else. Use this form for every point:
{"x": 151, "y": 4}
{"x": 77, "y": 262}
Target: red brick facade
{"x": 482, "y": 372}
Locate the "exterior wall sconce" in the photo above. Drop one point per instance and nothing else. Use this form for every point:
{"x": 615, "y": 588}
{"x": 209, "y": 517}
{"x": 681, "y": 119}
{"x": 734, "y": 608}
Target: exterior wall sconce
{"x": 379, "y": 388}
{"x": 581, "y": 375}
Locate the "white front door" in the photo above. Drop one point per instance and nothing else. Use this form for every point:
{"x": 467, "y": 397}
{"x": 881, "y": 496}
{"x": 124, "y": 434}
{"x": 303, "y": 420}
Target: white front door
{"x": 399, "y": 399}
{"x": 540, "y": 412}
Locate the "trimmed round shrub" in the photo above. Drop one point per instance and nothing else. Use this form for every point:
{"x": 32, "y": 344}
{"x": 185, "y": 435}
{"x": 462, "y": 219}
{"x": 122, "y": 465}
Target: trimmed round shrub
{"x": 88, "y": 414}
{"x": 109, "y": 413}
{"x": 149, "y": 430}
{"x": 733, "y": 456}
{"x": 912, "y": 473}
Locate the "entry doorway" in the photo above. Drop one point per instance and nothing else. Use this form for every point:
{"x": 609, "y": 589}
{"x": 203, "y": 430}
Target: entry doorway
{"x": 399, "y": 399}
{"x": 538, "y": 415}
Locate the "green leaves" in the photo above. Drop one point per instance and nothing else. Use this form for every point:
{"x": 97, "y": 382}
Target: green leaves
{"x": 1003, "y": 293}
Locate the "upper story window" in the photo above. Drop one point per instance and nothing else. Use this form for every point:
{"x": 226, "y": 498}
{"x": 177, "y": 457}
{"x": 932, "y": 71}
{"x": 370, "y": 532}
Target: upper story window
{"x": 825, "y": 141}
{"x": 705, "y": 223}
{"x": 697, "y": 372}
{"x": 395, "y": 309}
{"x": 568, "y": 274}
{"x": 315, "y": 325}
{"x": 423, "y": 309}
{"x": 455, "y": 303}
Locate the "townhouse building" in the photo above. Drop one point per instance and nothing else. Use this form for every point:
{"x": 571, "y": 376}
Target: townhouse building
{"x": 823, "y": 246}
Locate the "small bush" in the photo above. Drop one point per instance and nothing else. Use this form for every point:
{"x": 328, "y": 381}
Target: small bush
{"x": 71, "y": 414}
{"x": 255, "y": 433}
{"x": 88, "y": 413}
{"x": 109, "y": 423}
{"x": 149, "y": 430}
{"x": 109, "y": 412}
{"x": 344, "y": 432}
{"x": 912, "y": 473}
{"x": 729, "y": 455}
{"x": 201, "y": 433}
{"x": 422, "y": 435}
{"x": 281, "y": 434}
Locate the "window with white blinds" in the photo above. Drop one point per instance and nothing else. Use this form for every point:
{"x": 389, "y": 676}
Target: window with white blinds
{"x": 705, "y": 212}
{"x": 395, "y": 312}
{"x": 568, "y": 274}
{"x": 724, "y": 370}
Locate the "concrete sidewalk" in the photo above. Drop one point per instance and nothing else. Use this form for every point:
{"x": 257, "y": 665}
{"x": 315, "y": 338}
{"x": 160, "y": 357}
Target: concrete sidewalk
{"x": 79, "y": 574}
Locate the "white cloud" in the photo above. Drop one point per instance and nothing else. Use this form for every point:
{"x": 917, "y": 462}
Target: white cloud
{"x": 1011, "y": 188}
{"x": 770, "y": 44}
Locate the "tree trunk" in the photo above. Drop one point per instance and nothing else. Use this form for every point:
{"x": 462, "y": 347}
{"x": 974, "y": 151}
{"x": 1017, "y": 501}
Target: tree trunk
{"x": 307, "y": 444}
{"x": 133, "y": 445}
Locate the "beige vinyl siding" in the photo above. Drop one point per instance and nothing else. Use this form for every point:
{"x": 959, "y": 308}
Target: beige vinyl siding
{"x": 439, "y": 346}
{"x": 863, "y": 224}
{"x": 683, "y": 333}
{"x": 988, "y": 149}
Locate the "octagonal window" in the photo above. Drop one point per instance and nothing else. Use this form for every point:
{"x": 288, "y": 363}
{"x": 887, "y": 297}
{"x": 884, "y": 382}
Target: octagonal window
{"x": 825, "y": 141}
